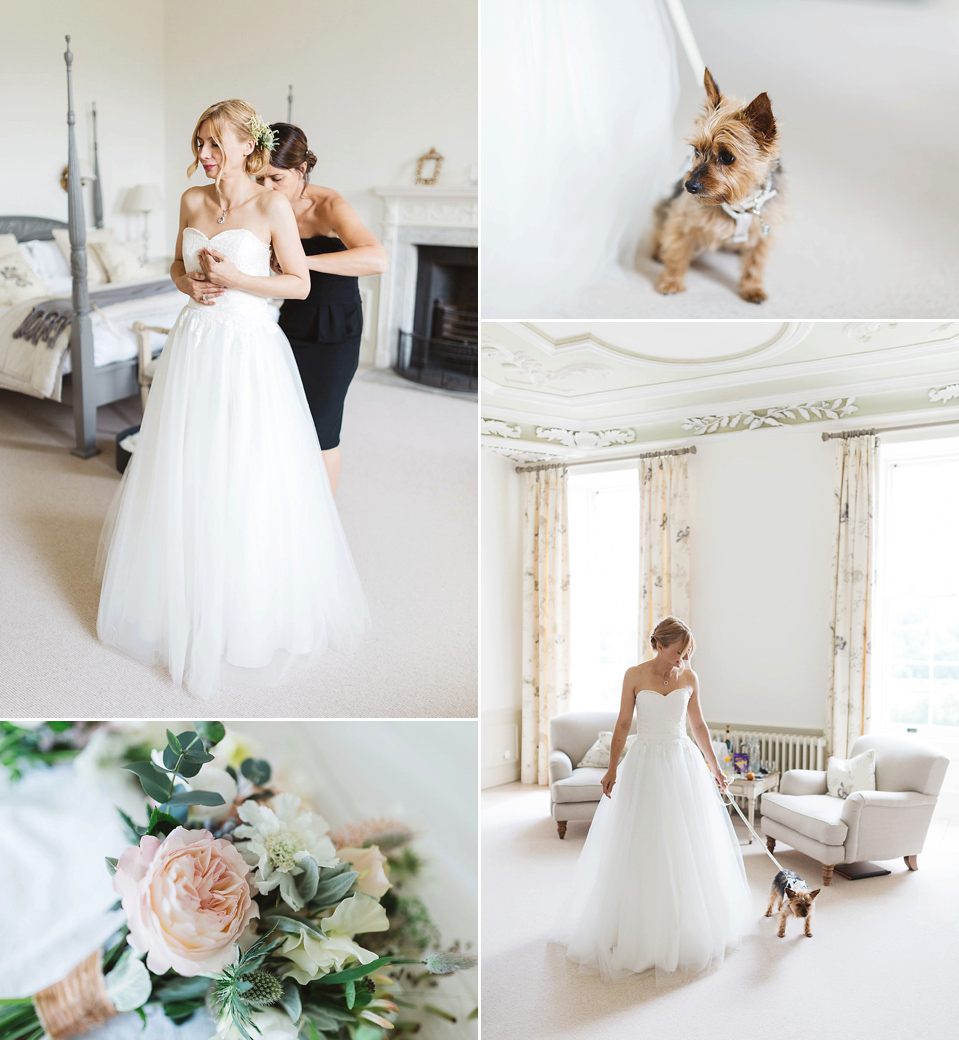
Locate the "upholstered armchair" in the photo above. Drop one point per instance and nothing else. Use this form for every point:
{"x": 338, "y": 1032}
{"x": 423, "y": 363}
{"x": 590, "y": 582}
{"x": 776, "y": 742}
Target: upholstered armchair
{"x": 575, "y": 793}
{"x": 883, "y": 824}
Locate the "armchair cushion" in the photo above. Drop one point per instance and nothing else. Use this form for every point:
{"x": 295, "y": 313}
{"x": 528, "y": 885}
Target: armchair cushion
{"x": 598, "y": 754}
{"x": 817, "y": 815}
{"x": 803, "y": 781}
{"x": 845, "y": 775}
{"x": 560, "y": 766}
{"x": 585, "y": 785}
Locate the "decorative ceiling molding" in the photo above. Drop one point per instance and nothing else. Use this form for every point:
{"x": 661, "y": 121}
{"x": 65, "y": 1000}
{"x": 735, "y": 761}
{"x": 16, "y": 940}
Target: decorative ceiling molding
{"x": 863, "y": 331}
{"x": 498, "y": 428}
{"x": 586, "y": 438}
{"x": 752, "y": 420}
{"x": 868, "y": 361}
{"x": 517, "y": 455}
{"x": 944, "y": 393}
{"x": 535, "y": 373}
{"x": 790, "y": 334}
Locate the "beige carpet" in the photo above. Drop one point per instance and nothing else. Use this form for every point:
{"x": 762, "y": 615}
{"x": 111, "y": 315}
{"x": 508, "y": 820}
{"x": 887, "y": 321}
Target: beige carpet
{"x": 408, "y": 503}
{"x": 882, "y": 963}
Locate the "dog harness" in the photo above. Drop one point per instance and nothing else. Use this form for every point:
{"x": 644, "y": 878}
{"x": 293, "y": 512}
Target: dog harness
{"x": 749, "y": 209}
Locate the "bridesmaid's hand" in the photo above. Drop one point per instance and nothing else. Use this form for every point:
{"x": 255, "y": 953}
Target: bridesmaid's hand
{"x": 274, "y": 263}
{"x": 218, "y": 269}
{"x": 608, "y": 781}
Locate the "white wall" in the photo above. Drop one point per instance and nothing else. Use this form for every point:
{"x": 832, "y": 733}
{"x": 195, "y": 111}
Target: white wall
{"x": 763, "y": 521}
{"x": 376, "y": 83}
{"x": 501, "y": 618}
{"x": 117, "y": 62}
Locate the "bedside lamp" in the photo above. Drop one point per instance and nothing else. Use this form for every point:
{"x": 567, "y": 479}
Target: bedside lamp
{"x": 145, "y": 199}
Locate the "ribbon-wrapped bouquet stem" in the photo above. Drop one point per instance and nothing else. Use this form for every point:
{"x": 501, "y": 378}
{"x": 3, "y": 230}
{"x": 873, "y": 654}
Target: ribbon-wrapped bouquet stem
{"x": 238, "y": 899}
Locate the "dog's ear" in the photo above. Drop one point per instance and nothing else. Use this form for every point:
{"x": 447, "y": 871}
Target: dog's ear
{"x": 713, "y": 94}
{"x": 790, "y": 892}
{"x": 758, "y": 116}
{"x": 812, "y": 895}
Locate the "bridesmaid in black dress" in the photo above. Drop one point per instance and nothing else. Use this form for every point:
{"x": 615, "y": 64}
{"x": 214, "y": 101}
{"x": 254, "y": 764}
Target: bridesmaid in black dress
{"x": 324, "y": 330}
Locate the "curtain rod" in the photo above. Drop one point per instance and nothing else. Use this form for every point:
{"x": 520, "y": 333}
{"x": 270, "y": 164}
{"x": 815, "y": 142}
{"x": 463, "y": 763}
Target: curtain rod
{"x": 846, "y": 434}
{"x": 583, "y": 462}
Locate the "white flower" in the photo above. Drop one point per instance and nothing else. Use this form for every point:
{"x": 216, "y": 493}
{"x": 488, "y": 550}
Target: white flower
{"x": 219, "y": 781}
{"x": 360, "y": 913}
{"x": 277, "y": 838}
{"x": 268, "y": 1024}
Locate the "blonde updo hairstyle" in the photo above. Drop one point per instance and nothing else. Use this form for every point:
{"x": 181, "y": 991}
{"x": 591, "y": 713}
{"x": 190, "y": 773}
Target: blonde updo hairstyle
{"x": 671, "y": 630}
{"x": 238, "y": 115}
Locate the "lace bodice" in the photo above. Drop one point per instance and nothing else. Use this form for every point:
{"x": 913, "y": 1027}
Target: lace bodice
{"x": 659, "y": 716}
{"x": 250, "y": 254}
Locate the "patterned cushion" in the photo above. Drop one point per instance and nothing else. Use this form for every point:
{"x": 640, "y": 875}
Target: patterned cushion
{"x": 96, "y": 272}
{"x": 18, "y": 280}
{"x": 845, "y": 775}
{"x": 121, "y": 260}
{"x": 598, "y": 755}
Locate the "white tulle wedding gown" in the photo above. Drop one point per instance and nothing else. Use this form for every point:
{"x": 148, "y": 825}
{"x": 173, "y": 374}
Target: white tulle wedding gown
{"x": 222, "y": 555}
{"x": 660, "y": 883}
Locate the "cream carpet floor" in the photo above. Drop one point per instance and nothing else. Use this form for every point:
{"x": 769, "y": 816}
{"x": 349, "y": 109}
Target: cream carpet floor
{"x": 882, "y": 963}
{"x": 407, "y": 498}
{"x": 863, "y": 90}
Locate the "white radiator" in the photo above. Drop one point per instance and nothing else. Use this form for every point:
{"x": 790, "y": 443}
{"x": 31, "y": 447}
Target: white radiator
{"x": 787, "y": 750}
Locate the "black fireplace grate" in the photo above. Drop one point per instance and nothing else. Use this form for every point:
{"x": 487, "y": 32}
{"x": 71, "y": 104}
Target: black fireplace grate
{"x": 445, "y": 363}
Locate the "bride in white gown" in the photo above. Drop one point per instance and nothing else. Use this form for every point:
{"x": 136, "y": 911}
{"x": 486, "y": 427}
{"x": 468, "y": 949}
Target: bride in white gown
{"x": 660, "y": 883}
{"x": 222, "y": 556}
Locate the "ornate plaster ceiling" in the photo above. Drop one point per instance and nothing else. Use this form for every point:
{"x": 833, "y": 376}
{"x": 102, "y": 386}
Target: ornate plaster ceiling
{"x": 574, "y": 388}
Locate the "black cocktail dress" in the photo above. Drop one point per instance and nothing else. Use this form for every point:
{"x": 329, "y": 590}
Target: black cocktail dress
{"x": 324, "y": 331}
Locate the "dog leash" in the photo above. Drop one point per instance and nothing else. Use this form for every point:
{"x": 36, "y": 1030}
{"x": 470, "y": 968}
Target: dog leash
{"x": 731, "y": 801}
{"x": 751, "y": 208}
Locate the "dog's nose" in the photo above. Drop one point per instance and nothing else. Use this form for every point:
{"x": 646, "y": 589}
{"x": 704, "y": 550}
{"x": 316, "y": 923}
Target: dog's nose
{"x": 694, "y": 187}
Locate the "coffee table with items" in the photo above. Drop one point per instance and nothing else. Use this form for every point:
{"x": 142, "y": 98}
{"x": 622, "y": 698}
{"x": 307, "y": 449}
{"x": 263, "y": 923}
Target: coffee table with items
{"x": 750, "y": 790}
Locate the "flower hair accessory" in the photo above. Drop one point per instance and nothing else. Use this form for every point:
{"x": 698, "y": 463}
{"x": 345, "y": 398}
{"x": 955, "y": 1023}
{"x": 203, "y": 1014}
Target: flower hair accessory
{"x": 262, "y": 134}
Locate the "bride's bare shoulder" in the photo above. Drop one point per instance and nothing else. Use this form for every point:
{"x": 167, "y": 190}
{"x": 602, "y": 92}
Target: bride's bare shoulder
{"x": 636, "y": 675}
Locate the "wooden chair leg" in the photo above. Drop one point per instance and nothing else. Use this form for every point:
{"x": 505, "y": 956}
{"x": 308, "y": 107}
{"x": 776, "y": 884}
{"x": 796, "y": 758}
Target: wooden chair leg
{"x": 561, "y": 828}
{"x": 826, "y": 875}
{"x": 770, "y": 844}
{"x": 911, "y": 862}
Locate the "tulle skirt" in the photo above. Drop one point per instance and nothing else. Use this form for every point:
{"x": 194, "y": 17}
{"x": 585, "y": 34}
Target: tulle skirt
{"x": 222, "y": 556}
{"x": 660, "y": 884}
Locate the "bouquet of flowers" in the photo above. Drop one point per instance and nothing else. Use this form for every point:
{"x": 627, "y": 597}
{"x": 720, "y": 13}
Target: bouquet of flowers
{"x": 238, "y": 898}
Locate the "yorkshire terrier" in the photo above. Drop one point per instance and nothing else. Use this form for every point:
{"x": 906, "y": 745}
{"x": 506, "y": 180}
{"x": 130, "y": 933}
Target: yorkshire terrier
{"x": 794, "y": 899}
{"x": 730, "y": 199}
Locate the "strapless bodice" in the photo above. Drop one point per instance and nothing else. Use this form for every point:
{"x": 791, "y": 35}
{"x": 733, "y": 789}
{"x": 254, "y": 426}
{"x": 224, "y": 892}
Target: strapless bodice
{"x": 661, "y": 717}
{"x": 250, "y": 254}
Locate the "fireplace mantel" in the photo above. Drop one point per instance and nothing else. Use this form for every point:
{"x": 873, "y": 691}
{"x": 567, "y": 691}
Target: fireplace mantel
{"x": 413, "y": 216}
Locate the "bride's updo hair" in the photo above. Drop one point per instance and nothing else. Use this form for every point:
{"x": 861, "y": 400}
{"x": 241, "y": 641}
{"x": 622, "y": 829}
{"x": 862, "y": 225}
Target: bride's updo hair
{"x": 290, "y": 151}
{"x": 671, "y": 630}
{"x": 241, "y": 117}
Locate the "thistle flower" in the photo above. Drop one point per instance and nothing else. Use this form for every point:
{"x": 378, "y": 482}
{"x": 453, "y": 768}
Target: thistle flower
{"x": 447, "y": 963}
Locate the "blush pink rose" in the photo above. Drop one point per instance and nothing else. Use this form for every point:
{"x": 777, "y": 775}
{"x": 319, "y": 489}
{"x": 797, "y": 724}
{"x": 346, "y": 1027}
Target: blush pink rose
{"x": 187, "y": 900}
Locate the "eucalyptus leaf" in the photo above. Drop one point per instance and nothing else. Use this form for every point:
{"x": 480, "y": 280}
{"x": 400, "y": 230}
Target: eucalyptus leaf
{"x": 129, "y": 984}
{"x": 256, "y": 770}
{"x": 211, "y": 732}
{"x": 173, "y": 742}
{"x": 195, "y": 798}
{"x": 155, "y": 783}
{"x": 111, "y": 865}
{"x": 349, "y": 991}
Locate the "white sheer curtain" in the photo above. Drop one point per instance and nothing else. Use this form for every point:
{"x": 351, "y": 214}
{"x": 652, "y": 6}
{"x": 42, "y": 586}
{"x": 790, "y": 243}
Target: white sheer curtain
{"x": 664, "y": 541}
{"x": 545, "y": 617}
{"x": 578, "y": 102}
{"x": 848, "y": 701}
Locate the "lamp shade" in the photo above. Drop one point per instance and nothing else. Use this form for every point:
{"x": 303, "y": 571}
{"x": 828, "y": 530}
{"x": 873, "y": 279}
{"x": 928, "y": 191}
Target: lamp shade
{"x": 144, "y": 198}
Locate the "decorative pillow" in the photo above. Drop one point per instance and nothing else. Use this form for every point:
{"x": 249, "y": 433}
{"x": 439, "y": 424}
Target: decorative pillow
{"x": 18, "y": 281}
{"x": 598, "y": 755}
{"x": 121, "y": 260}
{"x": 845, "y": 775}
{"x": 96, "y": 272}
{"x": 46, "y": 259}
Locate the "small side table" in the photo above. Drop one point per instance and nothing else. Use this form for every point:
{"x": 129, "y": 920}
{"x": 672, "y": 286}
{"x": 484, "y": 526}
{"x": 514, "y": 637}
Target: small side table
{"x": 740, "y": 787}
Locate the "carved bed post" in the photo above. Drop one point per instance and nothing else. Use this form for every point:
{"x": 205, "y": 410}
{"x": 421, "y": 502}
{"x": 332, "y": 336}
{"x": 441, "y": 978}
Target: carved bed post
{"x": 81, "y": 330}
{"x": 97, "y": 188}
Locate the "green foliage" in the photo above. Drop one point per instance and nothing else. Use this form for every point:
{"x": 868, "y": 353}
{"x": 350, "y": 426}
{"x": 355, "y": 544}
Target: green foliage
{"x": 332, "y": 885}
{"x": 183, "y": 757}
{"x": 211, "y": 732}
{"x": 18, "y": 1020}
{"x": 229, "y": 994}
{"x": 256, "y": 770}
{"x": 23, "y": 748}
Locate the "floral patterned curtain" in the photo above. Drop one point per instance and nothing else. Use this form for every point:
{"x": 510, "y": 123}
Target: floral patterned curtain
{"x": 848, "y": 703}
{"x": 545, "y": 617}
{"x": 664, "y": 542}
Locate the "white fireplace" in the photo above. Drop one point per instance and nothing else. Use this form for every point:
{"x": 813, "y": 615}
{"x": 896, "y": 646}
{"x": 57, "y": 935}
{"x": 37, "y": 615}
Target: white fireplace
{"x": 423, "y": 215}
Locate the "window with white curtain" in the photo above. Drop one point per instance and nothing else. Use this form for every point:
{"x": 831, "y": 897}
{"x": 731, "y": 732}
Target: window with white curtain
{"x": 916, "y": 642}
{"x": 604, "y": 583}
